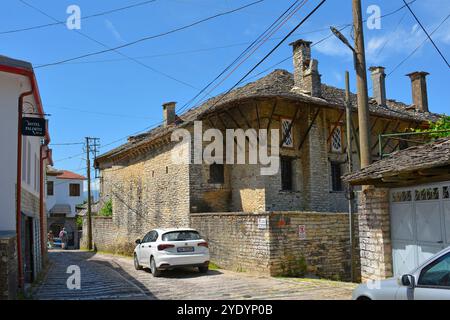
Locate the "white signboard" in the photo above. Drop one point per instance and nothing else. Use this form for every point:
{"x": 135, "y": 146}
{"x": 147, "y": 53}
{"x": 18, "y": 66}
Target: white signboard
{"x": 302, "y": 232}
{"x": 262, "y": 223}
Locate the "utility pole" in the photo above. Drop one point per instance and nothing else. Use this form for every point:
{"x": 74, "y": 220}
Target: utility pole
{"x": 88, "y": 166}
{"x": 361, "y": 79}
{"x": 350, "y": 196}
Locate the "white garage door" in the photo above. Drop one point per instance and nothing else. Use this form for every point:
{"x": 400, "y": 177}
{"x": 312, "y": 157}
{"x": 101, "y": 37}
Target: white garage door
{"x": 420, "y": 224}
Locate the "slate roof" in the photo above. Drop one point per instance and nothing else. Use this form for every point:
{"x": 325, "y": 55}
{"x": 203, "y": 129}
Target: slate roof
{"x": 276, "y": 84}
{"x": 432, "y": 155}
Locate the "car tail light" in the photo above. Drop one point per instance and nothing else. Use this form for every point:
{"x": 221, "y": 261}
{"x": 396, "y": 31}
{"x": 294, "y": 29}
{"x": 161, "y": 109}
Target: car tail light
{"x": 203, "y": 244}
{"x": 165, "y": 246}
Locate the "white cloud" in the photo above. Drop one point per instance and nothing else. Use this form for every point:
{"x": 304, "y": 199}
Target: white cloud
{"x": 113, "y": 30}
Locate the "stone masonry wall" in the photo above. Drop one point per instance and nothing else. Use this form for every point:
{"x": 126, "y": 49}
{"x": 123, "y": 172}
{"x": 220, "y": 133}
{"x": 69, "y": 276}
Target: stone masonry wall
{"x": 8, "y": 266}
{"x": 374, "y": 234}
{"x": 149, "y": 192}
{"x": 238, "y": 242}
{"x": 235, "y": 241}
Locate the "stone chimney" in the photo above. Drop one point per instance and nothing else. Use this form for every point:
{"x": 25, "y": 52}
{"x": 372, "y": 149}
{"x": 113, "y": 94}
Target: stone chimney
{"x": 378, "y": 85}
{"x": 419, "y": 90}
{"x": 306, "y": 72}
{"x": 169, "y": 113}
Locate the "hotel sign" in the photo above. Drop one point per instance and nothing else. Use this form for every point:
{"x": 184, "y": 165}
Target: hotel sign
{"x": 33, "y": 127}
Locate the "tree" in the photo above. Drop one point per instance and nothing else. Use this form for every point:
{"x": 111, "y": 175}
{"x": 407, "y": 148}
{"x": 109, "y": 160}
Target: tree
{"x": 438, "y": 129}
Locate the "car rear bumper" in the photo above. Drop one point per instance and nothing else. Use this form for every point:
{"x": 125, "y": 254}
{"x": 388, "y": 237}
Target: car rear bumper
{"x": 172, "y": 261}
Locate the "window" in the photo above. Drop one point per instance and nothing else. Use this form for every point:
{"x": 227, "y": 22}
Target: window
{"x": 50, "y": 191}
{"x": 336, "y": 182}
{"x": 216, "y": 173}
{"x": 29, "y": 163}
{"x": 24, "y": 159}
{"x": 74, "y": 190}
{"x": 181, "y": 236}
{"x": 286, "y": 127}
{"x": 286, "y": 173}
{"x": 437, "y": 273}
{"x": 336, "y": 139}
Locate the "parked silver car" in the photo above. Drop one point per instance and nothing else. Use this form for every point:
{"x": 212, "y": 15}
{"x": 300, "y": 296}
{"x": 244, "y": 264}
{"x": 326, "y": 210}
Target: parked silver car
{"x": 430, "y": 281}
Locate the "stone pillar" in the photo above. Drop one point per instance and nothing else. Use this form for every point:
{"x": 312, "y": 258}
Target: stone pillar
{"x": 169, "y": 113}
{"x": 306, "y": 72}
{"x": 419, "y": 90}
{"x": 374, "y": 234}
{"x": 378, "y": 85}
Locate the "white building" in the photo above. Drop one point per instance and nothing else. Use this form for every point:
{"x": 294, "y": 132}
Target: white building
{"x": 22, "y": 218}
{"x": 64, "y": 190}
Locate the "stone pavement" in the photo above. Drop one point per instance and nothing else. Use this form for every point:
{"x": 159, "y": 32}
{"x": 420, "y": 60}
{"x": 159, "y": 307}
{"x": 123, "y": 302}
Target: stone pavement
{"x": 112, "y": 277}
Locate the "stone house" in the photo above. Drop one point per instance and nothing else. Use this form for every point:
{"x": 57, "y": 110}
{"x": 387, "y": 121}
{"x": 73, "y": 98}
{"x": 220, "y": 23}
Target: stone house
{"x": 233, "y": 203}
{"x": 22, "y": 200}
{"x": 404, "y": 214}
{"x": 64, "y": 192}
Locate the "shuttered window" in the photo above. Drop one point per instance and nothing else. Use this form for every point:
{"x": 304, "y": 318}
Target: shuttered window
{"x": 336, "y": 182}
{"x": 50, "y": 191}
{"x": 216, "y": 173}
{"x": 74, "y": 190}
{"x": 286, "y": 173}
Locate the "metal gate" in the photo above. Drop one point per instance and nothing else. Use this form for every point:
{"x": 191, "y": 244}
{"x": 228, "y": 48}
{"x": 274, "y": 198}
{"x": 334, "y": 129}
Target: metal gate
{"x": 420, "y": 224}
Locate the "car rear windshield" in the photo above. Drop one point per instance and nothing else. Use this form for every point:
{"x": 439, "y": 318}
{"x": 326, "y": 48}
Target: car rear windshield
{"x": 181, "y": 235}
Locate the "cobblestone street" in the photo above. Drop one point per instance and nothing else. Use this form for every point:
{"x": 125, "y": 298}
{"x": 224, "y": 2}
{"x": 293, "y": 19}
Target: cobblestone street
{"x": 113, "y": 277}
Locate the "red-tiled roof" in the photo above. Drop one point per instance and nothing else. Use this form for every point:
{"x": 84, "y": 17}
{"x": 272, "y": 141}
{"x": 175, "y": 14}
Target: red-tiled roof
{"x": 70, "y": 175}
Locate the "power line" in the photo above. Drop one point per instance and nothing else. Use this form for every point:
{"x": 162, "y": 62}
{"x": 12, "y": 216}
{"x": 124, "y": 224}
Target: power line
{"x": 112, "y": 49}
{"x": 100, "y": 113}
{"x": 418, "y": 47}
{"x": 66, "y": 144}
{"x": 429, "y": 37}
{"x": 150, "y": 37}
{"x": 276, "y": 28}
{"x": 84, "y": 18}
{"x": 258, "y": 39}
{"x": 271, "y": 51}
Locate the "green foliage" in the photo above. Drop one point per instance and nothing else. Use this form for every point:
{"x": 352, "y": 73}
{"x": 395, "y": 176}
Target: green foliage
{"x": 442, "y": 124}
{"x": 79, "y": 222}
{"x": 106, "y": 210}
{"x": 294, "y": 267}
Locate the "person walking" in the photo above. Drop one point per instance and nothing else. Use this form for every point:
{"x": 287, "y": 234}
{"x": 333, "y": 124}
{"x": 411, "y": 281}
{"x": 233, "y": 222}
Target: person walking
{"x": 64, "y": 238}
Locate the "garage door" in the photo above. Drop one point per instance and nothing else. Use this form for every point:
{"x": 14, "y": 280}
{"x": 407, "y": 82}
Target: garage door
{"x": 420, "y": 224}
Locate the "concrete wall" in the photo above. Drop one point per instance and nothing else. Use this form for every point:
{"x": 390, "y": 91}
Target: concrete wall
{"x": 238, "y": 241}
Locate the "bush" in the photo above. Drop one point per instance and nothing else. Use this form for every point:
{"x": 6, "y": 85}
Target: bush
{"x": 106, "y": 210}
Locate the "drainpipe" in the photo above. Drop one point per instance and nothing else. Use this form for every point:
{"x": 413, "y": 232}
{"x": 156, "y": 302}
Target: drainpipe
{"x": 19, "y": 187}
{"x": 41, "y": 199}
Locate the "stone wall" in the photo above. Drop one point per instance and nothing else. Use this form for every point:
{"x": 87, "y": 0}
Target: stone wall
{"x": 238, "y": 241}
{"x": 106, "y": 236}
{"x": 235, "y": 241}
{"x": 8, "y": 266}
{"x": 149, "y": 192}
{"x": 374, "y": 234}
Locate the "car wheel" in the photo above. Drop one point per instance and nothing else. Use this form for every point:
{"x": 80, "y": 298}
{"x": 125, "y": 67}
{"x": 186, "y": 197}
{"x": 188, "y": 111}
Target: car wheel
{"x": 363, "y": 298}
{"x": 155, "y": 272}
{"x": 137, "y": 266}
{"x": 203, "y": 269}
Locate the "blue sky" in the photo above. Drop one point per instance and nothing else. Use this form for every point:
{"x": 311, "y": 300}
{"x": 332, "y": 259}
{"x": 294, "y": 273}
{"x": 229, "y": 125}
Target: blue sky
{"x": 110, "y": 97}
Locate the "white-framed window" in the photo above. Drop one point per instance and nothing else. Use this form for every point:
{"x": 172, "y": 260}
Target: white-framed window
{"x": 287, "y": 136}
{"x": 336, "y": 139}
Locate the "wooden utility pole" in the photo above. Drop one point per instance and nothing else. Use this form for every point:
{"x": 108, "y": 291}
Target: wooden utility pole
{"x": 350, "y": 196}
{"x": 361, "y": 79}
{"x": 88, "y": 165}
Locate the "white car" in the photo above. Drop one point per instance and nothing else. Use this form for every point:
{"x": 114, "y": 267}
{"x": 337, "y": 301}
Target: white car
{"x": 163, "y": 249}
{"x": 430, "y": 281}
